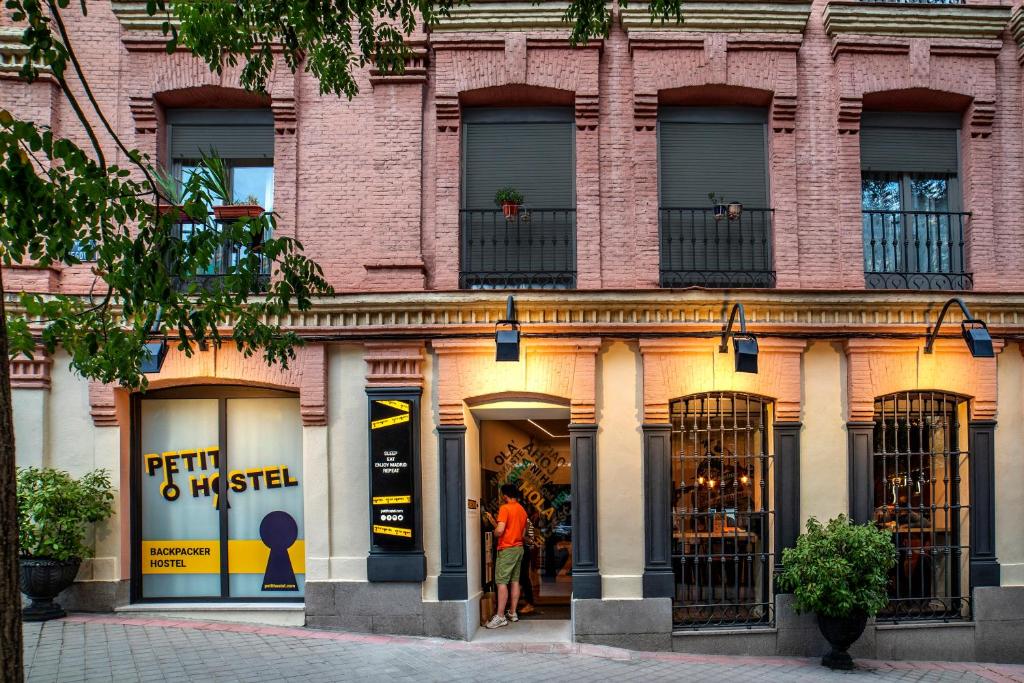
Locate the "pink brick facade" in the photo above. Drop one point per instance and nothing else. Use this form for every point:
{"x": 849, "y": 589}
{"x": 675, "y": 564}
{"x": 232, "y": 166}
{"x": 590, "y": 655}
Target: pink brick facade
{"x": 371, "y": 186}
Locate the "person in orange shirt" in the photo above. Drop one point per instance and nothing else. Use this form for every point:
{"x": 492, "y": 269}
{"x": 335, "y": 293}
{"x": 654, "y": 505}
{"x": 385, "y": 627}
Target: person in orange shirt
{"x": 510, "y": 527}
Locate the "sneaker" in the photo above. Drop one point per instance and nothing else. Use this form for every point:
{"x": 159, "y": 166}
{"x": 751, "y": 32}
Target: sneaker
{"x": 497, "y": 621}
{"x": 527, "y": 609}
{"x": 512, "y": 616}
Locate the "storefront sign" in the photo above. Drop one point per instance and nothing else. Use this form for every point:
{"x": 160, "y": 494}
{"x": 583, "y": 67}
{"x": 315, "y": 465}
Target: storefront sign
{"x": 392, "y": 483}
{"x": 198, "y": 463}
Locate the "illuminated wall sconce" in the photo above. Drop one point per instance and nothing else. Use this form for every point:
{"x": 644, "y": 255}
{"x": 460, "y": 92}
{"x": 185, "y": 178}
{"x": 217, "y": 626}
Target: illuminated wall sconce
{"x": 506, "y": 335}
{"x": 155, "y": 351}
{"x": 974, "y": 331}
{"x": 744, "y": 345}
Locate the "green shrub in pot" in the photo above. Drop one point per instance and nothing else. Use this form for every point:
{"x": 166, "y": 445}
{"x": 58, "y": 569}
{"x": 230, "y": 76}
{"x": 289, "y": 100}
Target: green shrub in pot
{"x": 54, "y": 511}
{"x": 840, "y": 572}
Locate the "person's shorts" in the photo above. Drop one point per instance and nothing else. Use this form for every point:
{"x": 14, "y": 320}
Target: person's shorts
{"x": 506, "y": 569}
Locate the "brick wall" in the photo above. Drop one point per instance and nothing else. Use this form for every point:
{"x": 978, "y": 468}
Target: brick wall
{"x": 371, "y": 186}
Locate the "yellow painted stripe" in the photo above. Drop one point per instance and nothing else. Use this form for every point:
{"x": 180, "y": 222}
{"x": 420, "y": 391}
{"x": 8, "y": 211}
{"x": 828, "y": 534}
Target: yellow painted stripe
{"x": 397, "y": 405}
{"x": 392, "y": 531}
{"x": 388, "y": 421}
{"x": 250, "y": 557}
{"x": 391, "y": 500}
{"x": 172, "y": 557}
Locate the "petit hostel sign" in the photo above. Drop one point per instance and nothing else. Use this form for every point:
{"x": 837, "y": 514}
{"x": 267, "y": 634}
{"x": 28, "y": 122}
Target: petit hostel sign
{"x": 392, "y": 484}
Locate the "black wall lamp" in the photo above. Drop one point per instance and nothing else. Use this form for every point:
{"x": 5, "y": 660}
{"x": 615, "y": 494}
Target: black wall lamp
{"x": 506, "y": 334}
{"x": 154, "y": 351}
{"x": 975, "y": 332}
{"x": 743, "y": 344}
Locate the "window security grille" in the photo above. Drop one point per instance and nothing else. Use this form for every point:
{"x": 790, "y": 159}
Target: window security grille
{"x": 722, "y": 518}
{"x": 920, "y": 494}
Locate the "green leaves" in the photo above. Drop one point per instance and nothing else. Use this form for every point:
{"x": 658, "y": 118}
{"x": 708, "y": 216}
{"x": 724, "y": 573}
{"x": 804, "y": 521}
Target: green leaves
{"x": 840, "y": 568}
{"x": 54, "y": 509}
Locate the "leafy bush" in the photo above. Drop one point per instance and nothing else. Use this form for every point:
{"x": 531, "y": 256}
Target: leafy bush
{"x": 508, "y": 195}
{"x": 839, "y": 569}
{"x": 53, "y": 509}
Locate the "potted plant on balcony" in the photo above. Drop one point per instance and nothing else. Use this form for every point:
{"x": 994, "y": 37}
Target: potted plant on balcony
{"x": 735, "y": 209}
{"x": 53, "y": 511}
{"x": 840, "y": 572}
{"x": 219, "y": 182}
{"x": 509, "y": 199}
{"x": 718, "y": 206}
{"x": 171, "y": 190}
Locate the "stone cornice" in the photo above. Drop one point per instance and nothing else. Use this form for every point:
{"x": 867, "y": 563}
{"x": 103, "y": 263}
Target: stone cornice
{"x": 729, "y": 16}
{"x": 1017, "y": 30}
{"x": 14, "y": 54}
{"x": 640, "y": 312}
{"x": 916, "y": 20}
{"x": 502, "y": 15}
{"x": 133, "y": 16}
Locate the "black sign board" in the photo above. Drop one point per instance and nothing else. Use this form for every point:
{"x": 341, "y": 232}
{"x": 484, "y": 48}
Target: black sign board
{"x": 392, "y": 478}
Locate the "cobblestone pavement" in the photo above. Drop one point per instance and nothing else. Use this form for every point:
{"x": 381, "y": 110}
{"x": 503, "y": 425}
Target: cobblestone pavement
{"x": 111, "y": 648}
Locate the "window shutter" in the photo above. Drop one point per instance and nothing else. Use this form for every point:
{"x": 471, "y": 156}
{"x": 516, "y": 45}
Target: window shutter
{"x": 725, "y": 158}
{"x": 535, "y": 158}
{"x": 231, "y": 133}
{"x": 911, "y": 143}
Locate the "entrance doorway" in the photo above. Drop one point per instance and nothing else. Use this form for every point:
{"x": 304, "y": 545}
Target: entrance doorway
{"x": 535, "y": 456}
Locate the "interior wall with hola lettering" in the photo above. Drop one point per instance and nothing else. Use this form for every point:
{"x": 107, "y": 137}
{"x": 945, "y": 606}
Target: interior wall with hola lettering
{"x": 194, "y": 542}
{"x": 392, "y": 475}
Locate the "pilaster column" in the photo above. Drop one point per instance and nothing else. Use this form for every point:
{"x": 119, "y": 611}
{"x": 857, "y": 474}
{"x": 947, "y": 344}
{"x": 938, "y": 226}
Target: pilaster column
{"x": 451, "y": 453}
{"x": 586, "y": 576}
{"x": 861, "y": 470}
{"x": 787, "y": 487}
{"x": 658, "y": 579}
{"x": 981, "y": 464}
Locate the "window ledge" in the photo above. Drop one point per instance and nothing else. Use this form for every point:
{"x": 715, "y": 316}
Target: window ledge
{"x": 914, "y": 625}
{"x": 916, "y": 20}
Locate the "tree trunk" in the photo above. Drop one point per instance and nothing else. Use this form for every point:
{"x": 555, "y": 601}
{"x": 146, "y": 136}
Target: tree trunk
{"x": 11, "y": 664}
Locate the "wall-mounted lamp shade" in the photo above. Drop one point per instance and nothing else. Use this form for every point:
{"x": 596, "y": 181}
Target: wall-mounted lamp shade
{"x": 153, "y": 359}
{"x": 745, "y": 353}
{"x": 506, "y": 342}
{"x": 979, "y": 341}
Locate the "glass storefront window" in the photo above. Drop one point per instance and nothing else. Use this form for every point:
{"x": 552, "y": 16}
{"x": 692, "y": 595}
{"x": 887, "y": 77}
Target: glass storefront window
{"x": 219, "y": 491}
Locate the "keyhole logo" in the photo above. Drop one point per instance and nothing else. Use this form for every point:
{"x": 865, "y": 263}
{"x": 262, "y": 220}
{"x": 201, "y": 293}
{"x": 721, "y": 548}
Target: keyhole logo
{"x": 278, "y": 531}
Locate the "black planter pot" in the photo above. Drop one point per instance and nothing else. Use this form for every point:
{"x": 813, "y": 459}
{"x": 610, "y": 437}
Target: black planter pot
{"x": 42, "y": 579}
{"x": 841, "y": 633}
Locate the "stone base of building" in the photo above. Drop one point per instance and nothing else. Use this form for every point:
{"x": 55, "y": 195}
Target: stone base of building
{"x": 92, "y": 596}
{"x": 395, "y": 608}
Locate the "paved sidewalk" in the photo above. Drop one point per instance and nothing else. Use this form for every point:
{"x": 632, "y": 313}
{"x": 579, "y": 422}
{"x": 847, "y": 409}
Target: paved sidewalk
{"x": 112, "y": 648}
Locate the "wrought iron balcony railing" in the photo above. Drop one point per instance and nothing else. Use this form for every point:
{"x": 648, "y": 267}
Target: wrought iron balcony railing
{"x": 535, "y": 249}
{"x": 915, "y": 250}
{"x": 699, "y": 251}
{"x": 224, "y": 261}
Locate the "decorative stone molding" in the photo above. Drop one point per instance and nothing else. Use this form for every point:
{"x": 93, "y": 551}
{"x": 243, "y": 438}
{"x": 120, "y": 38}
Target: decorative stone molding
{"x": 550, "y": 368}
{"x": 673, "y": 368}
{"x": 143, "y": 111}
{"x": 415, "y": 70}
{"x": 394, "y": 364}
{"x": 14, "y": 54}
{"x": 776, "y": 16}
{"x": 784, "y": 113}
{"x": 916, "y": 20}
{"x": 877, "y": 367}
{"x": 980, "y": 117}
{"x": 587, "y": 111}
{"x": 850, "y": 110}
{"x": 502, "y": 15}
{"x": 306, "y": 374}
{"x": 283, "y": 109}
{"x": 645, "y": 111}
{"x": 31, "y": 373}
{"x": 133, "y": 16}
{"x": 447, "y": 112}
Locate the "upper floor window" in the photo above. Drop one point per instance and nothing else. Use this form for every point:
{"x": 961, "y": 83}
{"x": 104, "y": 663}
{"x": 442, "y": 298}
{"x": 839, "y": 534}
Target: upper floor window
{"x": 715, "y": 223}
{"x": 528, "y": 155}
{"x": 244, "y": 140}
{"x": 913, "y": 222}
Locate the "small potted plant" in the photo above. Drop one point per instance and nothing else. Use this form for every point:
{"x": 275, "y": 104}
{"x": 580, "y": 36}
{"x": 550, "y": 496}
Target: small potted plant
{"x": 217, "y": 179}
{"x": 718, "y": 206}
{"x": 509, "y": 199}
{"x": 735, "y": 209}
{"x": 53, "y": 511}
{"x": 839, "y": 572}
{"x": 171, "y": 191}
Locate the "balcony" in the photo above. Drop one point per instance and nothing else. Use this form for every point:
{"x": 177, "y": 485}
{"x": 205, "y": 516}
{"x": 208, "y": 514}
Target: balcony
{"x": 223, "y": 263}
{"x": 536, "y": 249}
{"x": 921, "y": 250}
{"x": 699, "y": 251}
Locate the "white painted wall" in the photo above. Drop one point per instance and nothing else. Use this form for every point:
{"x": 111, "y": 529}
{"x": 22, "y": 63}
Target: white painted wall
{"x": 1010, "y": 466}
{"x": 620, "y": 512}
{"x": 824, "y": 487}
